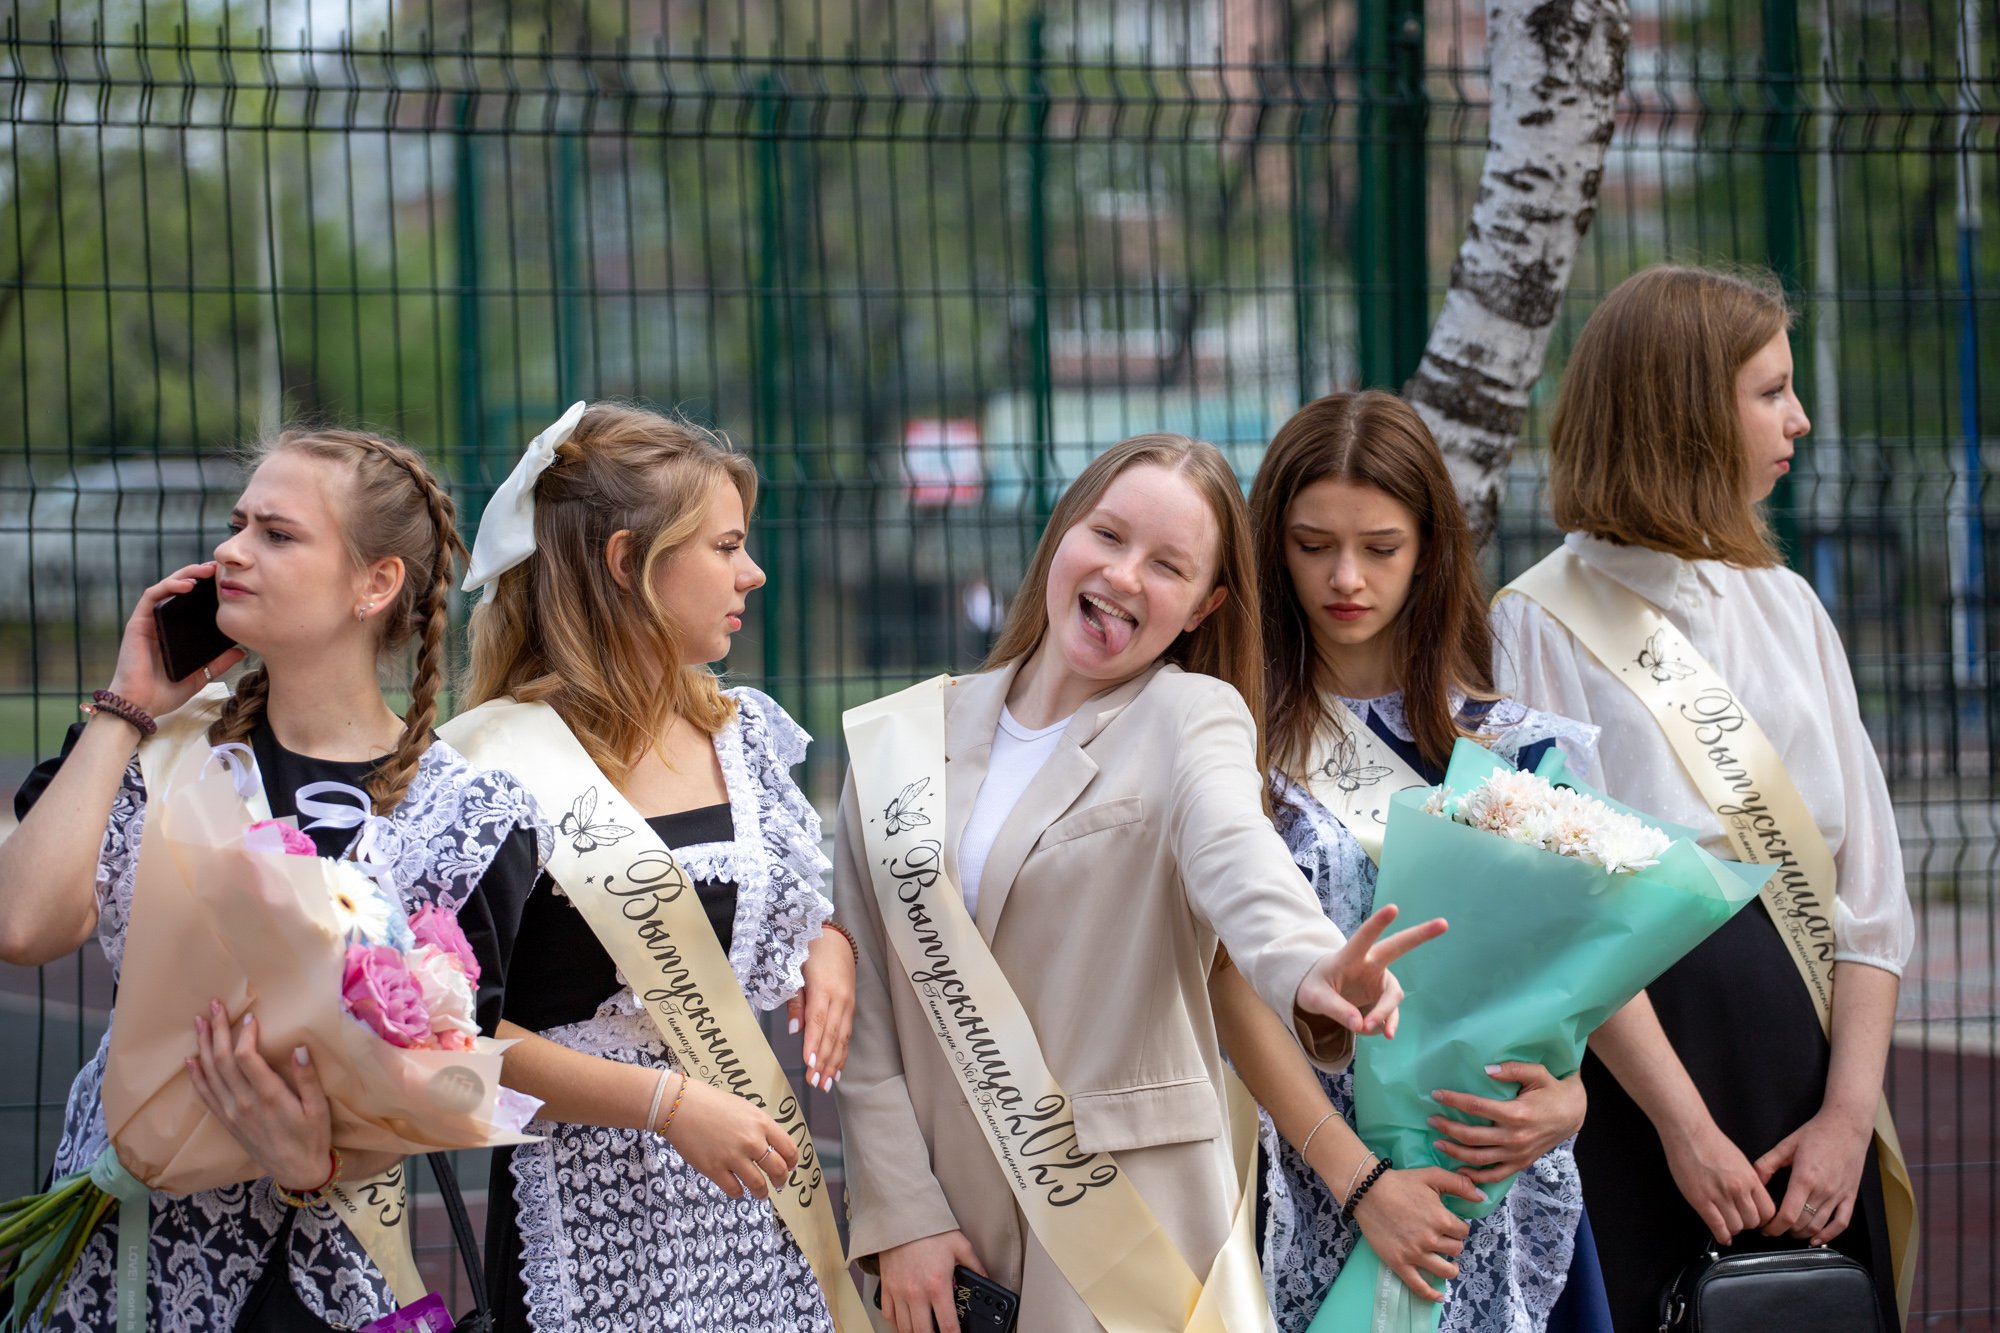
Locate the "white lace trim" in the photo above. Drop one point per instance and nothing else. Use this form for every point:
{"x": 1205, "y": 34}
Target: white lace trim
{"x": 208, "y": 1248}
{"x": 619, "y": 1234}
{"x": 1508, "y": 728}
{"x": 1516, "y": 1260}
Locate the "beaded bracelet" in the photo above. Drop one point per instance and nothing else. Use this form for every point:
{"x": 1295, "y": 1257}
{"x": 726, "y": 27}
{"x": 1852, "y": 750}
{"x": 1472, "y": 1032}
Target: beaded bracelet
{"x": 118, "y": 706}
{"x": 1382, "y": 1164}
{"x": 847, "y": 935}
{"x": 307, "y": 1198}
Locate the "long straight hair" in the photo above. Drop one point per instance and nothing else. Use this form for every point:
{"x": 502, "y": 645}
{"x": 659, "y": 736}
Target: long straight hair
{"x": 1645, "y": 445}
{"x": 1441, "y": 637}
{"x": 1224, "y": 645}
{"x": 562, "y": 630}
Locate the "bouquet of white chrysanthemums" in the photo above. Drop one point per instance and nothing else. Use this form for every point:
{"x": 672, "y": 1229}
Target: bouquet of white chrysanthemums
{"x": 1528, "y": 809}
{"x": 1563, "y": 905}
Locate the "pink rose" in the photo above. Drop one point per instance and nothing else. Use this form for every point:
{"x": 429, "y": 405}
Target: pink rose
{"x": 439, "y": 929}
{"x": 377, "y": 988}
{"x": 289, "y": 839}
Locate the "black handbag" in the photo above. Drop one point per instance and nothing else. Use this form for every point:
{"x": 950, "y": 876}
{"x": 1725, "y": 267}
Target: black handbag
{"x": 274, "y": 1306}
{"x": 1771, "y": 1291}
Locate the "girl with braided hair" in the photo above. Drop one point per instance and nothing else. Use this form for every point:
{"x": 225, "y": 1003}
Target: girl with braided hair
{"x": 340, "y": 557}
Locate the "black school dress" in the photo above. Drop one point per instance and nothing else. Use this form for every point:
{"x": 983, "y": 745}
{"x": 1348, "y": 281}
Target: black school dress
{"x": 1762, "y": 1079}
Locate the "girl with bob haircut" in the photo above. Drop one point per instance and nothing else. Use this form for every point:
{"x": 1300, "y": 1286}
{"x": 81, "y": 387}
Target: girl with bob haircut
{"x": 1105, "y": 826}
{"x": 1719, "y": 1111}
{"x": 1374, "y": 613}
{"x": 340, "y": 557}
{"x": 617, "y": 570}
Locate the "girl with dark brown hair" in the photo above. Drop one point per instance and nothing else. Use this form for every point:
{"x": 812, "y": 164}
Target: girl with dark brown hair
{"x": 340, "y": 557}
{"x": 1374, "y": 615}
{"x": 1720, "y": 1112}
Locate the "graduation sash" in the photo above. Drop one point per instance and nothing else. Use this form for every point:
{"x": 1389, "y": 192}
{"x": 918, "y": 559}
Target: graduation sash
{"x": 375, "y": 1211}
{"x": 1738, "y": 773}
{"x": 1353, "y": 774}
{"x": 643, "y": 909}
{"x": 1082, "y": 1207}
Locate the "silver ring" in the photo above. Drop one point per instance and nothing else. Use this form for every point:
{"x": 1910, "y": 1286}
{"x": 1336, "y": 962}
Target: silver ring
{"x": 768, "y": 1150}
{"x": 1811, "y": 1210}
{"x": 206, "y": 677}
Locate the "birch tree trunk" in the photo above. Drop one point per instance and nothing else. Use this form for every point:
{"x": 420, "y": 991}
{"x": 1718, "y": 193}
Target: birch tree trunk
{"x": 1557, "y": 68}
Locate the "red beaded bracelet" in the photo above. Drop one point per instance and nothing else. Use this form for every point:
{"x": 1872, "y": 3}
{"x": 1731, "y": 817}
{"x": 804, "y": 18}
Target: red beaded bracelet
{"x": 104, "y": 701}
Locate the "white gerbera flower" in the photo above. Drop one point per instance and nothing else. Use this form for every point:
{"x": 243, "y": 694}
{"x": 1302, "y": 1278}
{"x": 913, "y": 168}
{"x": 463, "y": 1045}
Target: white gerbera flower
{"x": 359, "y": 908}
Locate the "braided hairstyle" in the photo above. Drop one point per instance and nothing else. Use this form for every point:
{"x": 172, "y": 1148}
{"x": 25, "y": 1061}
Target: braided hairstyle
{"x": 394, "y": 507}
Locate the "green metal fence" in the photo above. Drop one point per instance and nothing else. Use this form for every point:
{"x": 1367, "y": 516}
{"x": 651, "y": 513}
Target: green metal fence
{"x": 922, "y": 259}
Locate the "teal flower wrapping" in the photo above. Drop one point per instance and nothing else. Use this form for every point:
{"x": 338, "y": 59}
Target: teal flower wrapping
{"x": 1542, "y": 948}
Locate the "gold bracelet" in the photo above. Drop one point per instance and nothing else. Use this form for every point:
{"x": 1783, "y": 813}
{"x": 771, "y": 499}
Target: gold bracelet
{"x": 1306, "y": 1147}
{"x": 676, "y": 1108}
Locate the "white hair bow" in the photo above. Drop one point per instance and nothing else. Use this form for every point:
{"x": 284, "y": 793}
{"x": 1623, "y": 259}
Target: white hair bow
{"x": 506, "y": 534}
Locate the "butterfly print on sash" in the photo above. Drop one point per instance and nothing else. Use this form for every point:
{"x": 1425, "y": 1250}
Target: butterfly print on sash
{"x": 583, "y": 835}
{"x": 1348, "y": 773}
{"x": 902, "y": 814}
{"x": 1661, "y": 669}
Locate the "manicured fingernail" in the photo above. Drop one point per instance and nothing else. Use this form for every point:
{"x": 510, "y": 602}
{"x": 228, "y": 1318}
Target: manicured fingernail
{"x": 1481, "y": 1194}
{"x": 246, "y": 1020}
{"x": 301, "y": 1056}
{"x": 201, "y": 1026}
{"x": 1438, "y": 1144}
{"x": 793, "y": 1027}
{"x": 1493, "y": 1071}
{"x": 1437, "y": 1094}
{"x": 812, "y": 1059}
{"x": 836, "y": 1077}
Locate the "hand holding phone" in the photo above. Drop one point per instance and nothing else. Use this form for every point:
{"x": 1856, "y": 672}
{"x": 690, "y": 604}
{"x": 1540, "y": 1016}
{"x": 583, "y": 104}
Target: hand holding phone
{"x": 187, "y": 633}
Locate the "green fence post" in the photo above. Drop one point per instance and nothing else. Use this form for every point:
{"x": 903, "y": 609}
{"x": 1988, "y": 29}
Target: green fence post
{"x": 1784, "y": 223}
{"x": 1041, "y": 376}
{"x": 1392, "y": 206}
{"x": 569, "y": 272}
{"x": 471, "y": 389}
{"x": 1308, "y": 140}
{"x": 766, "y": 372}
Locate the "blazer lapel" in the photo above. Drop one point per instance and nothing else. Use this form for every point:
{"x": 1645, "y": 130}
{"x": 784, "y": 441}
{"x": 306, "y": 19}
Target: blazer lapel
{"x": 971, "y": 716}
{"x": 1061, "y": 780}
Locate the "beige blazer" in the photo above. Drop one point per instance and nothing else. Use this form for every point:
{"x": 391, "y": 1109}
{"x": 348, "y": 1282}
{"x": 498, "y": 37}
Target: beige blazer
{"x": 1141, "y": 841}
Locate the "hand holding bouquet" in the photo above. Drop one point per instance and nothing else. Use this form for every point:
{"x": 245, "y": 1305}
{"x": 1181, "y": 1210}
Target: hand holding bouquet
{"x": 230, "y": 906}
{"x": 1564, "y": 905}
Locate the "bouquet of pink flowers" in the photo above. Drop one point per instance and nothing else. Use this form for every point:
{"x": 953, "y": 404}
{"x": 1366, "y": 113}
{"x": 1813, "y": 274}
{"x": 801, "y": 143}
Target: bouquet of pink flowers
{"x": 231, "y": 906}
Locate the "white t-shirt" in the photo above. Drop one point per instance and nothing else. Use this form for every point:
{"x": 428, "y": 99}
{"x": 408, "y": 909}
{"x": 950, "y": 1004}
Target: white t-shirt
{"x": 1018, "y": 754}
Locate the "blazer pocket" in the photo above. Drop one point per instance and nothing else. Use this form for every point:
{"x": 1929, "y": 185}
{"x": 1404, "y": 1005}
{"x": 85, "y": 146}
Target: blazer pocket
{"x": 1180, "y": 1111}
{"x": 1094, "y": 819}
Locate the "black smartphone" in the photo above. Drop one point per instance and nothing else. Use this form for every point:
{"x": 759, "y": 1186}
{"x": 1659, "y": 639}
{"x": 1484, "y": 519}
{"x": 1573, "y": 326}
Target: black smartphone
{"x": 984, "y": 1306}
{"x": 189, "y": 639}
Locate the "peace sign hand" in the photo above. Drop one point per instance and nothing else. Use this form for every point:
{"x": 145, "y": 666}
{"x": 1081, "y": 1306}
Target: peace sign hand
{"x": 1357, "y": 977}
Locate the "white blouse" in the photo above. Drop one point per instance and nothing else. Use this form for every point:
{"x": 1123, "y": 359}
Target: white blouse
{"x": 1767, "y": 634}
